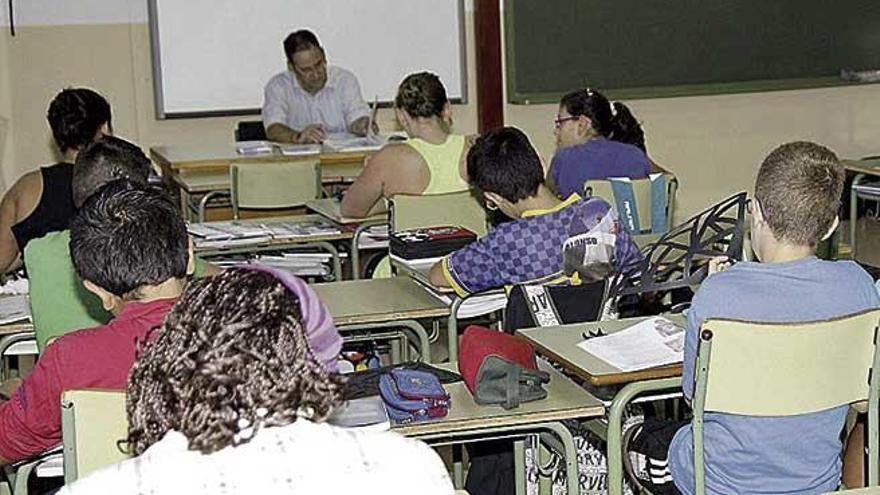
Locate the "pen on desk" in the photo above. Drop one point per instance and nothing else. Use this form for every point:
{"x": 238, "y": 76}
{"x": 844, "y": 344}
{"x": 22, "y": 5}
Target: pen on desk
{"x": 373, "y": 112}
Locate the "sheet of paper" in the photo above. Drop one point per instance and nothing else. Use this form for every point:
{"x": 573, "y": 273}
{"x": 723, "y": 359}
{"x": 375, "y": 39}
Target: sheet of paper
{"x": 14, "y": 308}
{"x": 351, "y": 142}
{"x": 647, "y": 344}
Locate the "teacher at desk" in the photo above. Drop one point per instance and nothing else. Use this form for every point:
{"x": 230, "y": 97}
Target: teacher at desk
{"x": 310, "y": 100}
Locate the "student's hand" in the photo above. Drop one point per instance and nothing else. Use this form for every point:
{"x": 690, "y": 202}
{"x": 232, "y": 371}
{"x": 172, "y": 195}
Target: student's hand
{"x": 719, "y": 264}
{"x": 359, "y": 126}
{"x": 312, "y": 134}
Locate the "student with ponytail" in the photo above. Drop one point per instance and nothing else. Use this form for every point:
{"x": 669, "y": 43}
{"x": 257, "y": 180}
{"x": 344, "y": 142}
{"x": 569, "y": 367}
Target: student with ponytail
{"x": 595, "y": 139}
{"x": 431, "y": 161}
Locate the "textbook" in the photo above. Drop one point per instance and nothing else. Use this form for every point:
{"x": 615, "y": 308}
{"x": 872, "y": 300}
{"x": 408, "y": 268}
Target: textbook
{"x": 653, "y": 342}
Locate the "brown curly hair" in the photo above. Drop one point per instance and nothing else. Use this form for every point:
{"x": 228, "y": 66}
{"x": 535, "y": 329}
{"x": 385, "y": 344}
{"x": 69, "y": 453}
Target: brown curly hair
{"x": 230, "y": 358}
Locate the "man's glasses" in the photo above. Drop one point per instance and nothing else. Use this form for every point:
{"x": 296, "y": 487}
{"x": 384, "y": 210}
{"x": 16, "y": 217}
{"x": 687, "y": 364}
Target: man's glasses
{"x": 558, "y": 121}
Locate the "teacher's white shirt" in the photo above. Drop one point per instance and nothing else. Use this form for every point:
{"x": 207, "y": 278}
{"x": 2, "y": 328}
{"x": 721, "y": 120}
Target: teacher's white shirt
{"x": 336, "y": 105}
{"x": 302, "y": 457}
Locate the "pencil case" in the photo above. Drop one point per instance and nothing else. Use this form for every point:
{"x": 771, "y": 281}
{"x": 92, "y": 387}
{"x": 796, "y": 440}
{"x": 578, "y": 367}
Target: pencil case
{"x": 411, "y": 395}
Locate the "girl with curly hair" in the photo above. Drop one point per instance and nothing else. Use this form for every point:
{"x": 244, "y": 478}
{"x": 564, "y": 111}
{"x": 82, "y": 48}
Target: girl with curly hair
{"x": 231, "y": 398}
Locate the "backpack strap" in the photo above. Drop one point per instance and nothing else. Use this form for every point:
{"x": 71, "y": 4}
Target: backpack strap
{"x": 625, "y": 201}
{"x": 541, "y": 306}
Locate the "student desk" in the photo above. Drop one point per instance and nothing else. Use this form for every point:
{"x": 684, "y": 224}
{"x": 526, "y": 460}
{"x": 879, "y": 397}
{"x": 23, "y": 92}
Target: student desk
{"x": 559, "y": 345}
{"x": 329, "y": 208}
{"x": 863, "y": 169}
{"x": 204, "y": 167}
{"x": 321, "y": 241}
{"x": 466, "y": 419}
{"x": 382, "y": 303}
{"x": 469, "y": 306}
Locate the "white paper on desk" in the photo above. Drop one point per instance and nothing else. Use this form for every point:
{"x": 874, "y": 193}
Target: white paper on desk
{"x": 473, "y": 306}
{"x": 647, "y": 344}
{"x": 14, "y": 308}
{"x": 253, "y": 147}
{"x": 350, "y": 142}
{"x": 299, "y": 149}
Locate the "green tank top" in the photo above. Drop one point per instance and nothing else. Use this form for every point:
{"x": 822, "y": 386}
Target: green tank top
{"x": 443, "y": 160}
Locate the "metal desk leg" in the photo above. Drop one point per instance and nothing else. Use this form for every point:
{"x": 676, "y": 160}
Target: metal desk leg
{"x": 452, "y": 329}
{"x": 853, "y": 211}
{"x": 615, "y": 426}
{"x": 355, "y": 253}
{"x": 558, "y": 429}
{"x": 203, "y": 204}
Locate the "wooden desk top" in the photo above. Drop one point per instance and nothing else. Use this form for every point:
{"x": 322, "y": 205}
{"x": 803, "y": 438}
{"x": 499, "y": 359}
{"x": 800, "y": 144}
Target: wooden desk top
{"x": 220, "y": 155}
{"x": 565, "y": 400}
{"x": 329, "y": 208}
{"x": 379, "y": 300}
{"x": 869, "y": 166}
{"x": 559, "y": 344}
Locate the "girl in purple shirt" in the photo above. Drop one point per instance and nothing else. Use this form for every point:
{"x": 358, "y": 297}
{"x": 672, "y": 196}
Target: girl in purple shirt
{"x": 595, "y": 139}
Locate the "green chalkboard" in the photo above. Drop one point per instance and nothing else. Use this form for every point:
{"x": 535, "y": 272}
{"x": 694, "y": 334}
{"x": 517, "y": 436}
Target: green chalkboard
{"x": 651, "y": 48}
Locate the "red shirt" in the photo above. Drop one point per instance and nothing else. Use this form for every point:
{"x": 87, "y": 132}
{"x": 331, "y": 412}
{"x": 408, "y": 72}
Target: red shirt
{"x": 100, "y": 357}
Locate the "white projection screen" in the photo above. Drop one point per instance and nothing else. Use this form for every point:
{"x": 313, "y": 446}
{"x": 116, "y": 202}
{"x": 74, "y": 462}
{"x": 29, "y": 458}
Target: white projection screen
{"x": 213, "y": 57}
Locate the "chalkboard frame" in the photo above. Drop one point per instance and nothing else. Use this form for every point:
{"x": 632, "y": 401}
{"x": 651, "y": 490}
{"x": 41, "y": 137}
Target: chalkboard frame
{"x": 516, "y": 97}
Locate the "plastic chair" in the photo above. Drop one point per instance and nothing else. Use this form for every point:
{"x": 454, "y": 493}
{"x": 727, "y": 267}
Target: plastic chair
{"x": 92, "y": 424}
{"x": 265, "y": 186}
{"x": 459, "y": 209}
{"x": 636, "y": 200}
{"x": 741, "y": 370}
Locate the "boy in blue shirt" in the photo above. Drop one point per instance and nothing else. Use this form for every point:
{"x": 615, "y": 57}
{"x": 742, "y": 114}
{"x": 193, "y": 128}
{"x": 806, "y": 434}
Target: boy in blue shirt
{"x": 797, "y": 196}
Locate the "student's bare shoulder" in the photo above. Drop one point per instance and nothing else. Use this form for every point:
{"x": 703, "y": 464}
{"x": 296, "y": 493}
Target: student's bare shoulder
{"x": 24, "y": 194}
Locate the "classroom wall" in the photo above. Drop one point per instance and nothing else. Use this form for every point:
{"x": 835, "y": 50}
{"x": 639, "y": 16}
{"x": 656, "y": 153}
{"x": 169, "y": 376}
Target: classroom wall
{"x": 714, "y": 143}
{"x": 105, "y": 44}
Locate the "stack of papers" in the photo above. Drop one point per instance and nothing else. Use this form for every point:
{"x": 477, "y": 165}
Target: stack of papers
{"x": 253, "y": 147}
{"x": 299, "y": 264}
{"x": 227, "y": 234}
{"x": 14, "y": 309}
{"x": 294, "y": 229}
{"x": 650, "y": 343}
{"x": 298, "y": 149}
{"x": 15, "y": 286}
{"x": 375, "y": 237}
{"x": 343, "y": 142}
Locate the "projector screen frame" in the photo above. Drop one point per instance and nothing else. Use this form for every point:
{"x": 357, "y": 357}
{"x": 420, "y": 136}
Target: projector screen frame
{"x": 158, "y": 95}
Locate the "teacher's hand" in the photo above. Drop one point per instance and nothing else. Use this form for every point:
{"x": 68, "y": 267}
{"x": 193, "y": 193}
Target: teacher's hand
{"x": 312, "y": 134}
{"x": 359, "y": 126}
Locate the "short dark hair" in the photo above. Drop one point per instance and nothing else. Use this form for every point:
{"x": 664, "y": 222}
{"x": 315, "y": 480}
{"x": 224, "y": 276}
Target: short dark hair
{"x": 612, "y": 120}
{"x": 298, "y": 41}
{"x": 421, "y": 95}
{"x": 75, "y": 116}
{"x": 127, "y": 236}
{"x": 108, "y": 159}
{"x": 504, "y": 162}
{"x": 799, "y": 186}
{"x": 243, "y": 330}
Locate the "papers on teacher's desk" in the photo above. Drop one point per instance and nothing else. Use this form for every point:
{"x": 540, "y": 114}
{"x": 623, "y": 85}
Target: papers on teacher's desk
{"x": 13, "y": 309}
{"x": 650, "y": 343}
{"x": 345, "y": 142}
{"x": 232, "y": 233}
{"x": 253, "y": 147}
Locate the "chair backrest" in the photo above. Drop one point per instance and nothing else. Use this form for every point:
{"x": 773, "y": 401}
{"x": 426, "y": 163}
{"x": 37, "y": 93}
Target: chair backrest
{"x": 784, "y": 369}
{"x": 92, "y": 424}
{"x": 460, "y": 209}
{"x": 59, "y": 302}
{"x": 644, "y": 205}
{"x": 266, "y": 185}
{"x": 250, "y": 130}
{"x": 779, "y": 369}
